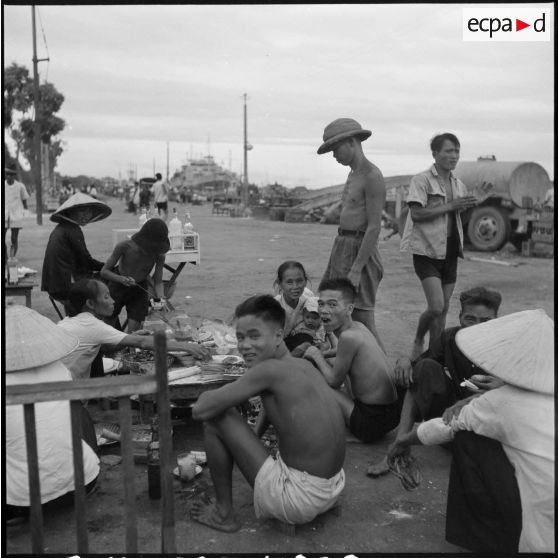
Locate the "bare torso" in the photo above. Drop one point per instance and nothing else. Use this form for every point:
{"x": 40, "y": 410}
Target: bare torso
{"x": 307, "y": 418}
{"x": 370, "y": 372}
{"x": 353, "y": 212}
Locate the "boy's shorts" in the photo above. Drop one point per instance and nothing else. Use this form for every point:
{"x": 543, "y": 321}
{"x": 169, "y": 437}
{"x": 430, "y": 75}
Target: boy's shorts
{"x": 162, "y": 205}
{"x": 293, "y": 496}
{"x": 371, "y": 422}
{"x": 134, "y": 299}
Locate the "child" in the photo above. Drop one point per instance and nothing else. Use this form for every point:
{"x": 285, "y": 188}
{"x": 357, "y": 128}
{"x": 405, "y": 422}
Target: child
{"x": 291, "y": 281}
{"x": 311, "y": 332}
{"x": 135, "y": 259}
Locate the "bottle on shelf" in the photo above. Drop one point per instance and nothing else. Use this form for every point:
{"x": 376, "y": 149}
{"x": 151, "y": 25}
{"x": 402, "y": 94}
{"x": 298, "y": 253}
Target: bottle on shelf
{"x": 154, "y": 462}
{"x": 12, "y": 271}
{"x": 175, "y": 232}
{"x": 143, "y": 217}
{"x": 190, "y": 236}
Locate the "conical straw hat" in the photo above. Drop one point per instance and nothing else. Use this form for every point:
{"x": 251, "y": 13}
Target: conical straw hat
{"x": 100, "y": 210}
{"x": 33, "y": 340}
{"x": 518, "y": 348}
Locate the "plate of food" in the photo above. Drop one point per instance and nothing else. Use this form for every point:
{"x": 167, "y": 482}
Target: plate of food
{"x": 228, "y": 360}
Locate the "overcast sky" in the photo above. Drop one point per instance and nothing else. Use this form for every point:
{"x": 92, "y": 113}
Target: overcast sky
{"x": 135, "y": 77}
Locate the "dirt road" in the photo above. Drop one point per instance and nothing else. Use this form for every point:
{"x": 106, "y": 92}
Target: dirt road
{"x": 240, "y": 258}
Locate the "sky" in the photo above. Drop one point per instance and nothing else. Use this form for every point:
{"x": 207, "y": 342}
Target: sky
{"x": 141, "y": 81}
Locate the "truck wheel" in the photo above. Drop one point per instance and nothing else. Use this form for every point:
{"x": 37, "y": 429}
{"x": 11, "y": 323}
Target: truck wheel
{"x": 488, "y": 228}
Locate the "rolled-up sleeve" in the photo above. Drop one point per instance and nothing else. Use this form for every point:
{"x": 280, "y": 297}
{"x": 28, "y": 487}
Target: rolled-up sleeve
{"x": 418, "y": 190}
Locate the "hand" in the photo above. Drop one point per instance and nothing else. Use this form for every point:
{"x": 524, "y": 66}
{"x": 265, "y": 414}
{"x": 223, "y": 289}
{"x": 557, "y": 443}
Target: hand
{"x": 452, "y": 412}
{"x": 403, "y": 372}
{"x": 464, "y": 203}
{"x": 483, "y": 192}
{"x": 399, "y": 447}
{"x": 485, "y": 382}
{"x": 354, "y": 278}
{"x": 299, "y": 351}
{"x": 142, "y": 332}
{"x": 311, "y": 353}
{"x": 127, "y": 281}
{"x": 197, "y": 351}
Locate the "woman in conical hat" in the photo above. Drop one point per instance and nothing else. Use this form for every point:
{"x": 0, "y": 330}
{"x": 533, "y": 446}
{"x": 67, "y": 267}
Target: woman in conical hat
{"x": 128, "y": 270}
{"x": 67, "y": 258}
{"x": 518, "y": 416}
{"x": 34, "y": 346}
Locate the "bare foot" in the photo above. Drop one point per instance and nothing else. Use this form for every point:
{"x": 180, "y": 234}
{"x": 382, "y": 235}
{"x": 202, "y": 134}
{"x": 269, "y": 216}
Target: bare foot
{"x": 418, "y": 349}
{"x": 378, "y": 469}
{"x": 207, "y": 514}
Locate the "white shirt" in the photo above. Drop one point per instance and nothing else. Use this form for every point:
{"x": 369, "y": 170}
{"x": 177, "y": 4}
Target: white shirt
{"x": 159, "y": 191}
{"x": 523, "y": 421}
{"x": 293, "y": 315}
{"x": 92, "y": 333}
{"x": 54, "y": 442}
{"x": 13, "y": 202}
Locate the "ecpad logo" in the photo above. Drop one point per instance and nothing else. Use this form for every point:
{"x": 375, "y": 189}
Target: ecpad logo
{"x": 507, "y": 24}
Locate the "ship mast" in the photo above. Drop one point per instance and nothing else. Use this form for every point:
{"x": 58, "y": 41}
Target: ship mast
{"x": 245, "y": 177}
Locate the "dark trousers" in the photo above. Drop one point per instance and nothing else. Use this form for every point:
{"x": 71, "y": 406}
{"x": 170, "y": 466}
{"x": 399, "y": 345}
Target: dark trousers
{"x": 484, "y": 506}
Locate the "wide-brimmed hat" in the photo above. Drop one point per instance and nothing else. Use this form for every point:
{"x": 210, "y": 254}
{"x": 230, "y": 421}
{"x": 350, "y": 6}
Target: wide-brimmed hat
{"x": 79, "y": 200}
{"x": 340, "y": 129}
{"x": 518, "y": 349}
{"x": 153, "y": 236}
{"x": 33, "y": 340}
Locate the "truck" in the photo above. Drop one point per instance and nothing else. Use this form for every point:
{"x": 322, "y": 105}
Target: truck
{"x": 516, "y": 203}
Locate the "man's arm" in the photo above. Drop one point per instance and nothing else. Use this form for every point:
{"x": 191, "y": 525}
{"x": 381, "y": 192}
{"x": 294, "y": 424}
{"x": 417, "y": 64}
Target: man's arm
{"x": 158, "y": 276}
{"x": 374, "y": 199}
{"x": 107, "y": 270}
{"x": 335, "y": 375}
{"x": 256, "y": 380}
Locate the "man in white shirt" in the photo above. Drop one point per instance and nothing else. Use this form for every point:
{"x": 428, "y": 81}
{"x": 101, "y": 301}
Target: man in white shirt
{"x": 160, "y": 196}
{"x": 15, "y": 206}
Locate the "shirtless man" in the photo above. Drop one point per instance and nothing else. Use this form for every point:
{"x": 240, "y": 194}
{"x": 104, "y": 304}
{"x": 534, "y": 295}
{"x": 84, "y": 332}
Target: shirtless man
{"x": 307, "y": 477}
{"x": 355, "y": 253}
{"x": 374, "y": 408}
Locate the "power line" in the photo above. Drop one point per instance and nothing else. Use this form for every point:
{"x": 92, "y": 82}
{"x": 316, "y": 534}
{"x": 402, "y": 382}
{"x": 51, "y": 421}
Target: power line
{"x": 45, "y": 41}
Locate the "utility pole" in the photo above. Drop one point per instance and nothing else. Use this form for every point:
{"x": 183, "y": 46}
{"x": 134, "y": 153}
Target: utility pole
{"x": 245, "y": 177}
{"x": 37, "y": 125}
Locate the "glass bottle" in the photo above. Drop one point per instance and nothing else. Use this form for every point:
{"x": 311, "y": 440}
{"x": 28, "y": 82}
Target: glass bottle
{"x": 154, "y": 462}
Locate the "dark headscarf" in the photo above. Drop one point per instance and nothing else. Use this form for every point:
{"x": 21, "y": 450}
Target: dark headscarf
{"x": 153, "y": 237}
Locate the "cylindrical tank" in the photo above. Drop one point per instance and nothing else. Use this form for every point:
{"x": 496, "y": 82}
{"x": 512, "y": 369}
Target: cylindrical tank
{"x": 511, "y": 180}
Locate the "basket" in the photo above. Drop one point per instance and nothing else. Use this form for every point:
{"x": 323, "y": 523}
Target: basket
{"x": 143, "y": 363}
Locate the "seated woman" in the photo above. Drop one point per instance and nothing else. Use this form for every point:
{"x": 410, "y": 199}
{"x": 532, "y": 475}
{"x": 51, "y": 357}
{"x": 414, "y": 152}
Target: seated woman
{"x": 34, "y": 349}
{"x": 89, "y": 301}
{"x": 127, "y": 270}
{"x": 501, "y": 486}
{"x": 66, "y": 257}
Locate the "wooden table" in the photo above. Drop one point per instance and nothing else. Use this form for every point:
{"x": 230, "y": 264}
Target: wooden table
{"x": 23, "y": 288}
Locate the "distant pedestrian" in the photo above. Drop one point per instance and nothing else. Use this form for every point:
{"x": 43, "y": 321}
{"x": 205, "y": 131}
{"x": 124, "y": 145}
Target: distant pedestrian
{"x": 355, "y": 255}
{"x": 160, "y": 196}
{"x": 434, "y": 234}
{"x": 92, "y": 191}
{"x": 15, "y": 206}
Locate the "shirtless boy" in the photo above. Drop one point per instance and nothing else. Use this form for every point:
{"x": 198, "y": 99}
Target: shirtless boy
{"x": 307, "y": 477}
{"x": 355, "y": 253}
{"x": 375, "y": 407}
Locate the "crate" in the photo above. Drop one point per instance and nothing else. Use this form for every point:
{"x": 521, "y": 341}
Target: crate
{"x": 543, "y": 229}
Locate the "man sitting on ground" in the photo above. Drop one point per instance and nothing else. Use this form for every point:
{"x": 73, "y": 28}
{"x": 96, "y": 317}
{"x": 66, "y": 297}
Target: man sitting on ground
{"x": 433, "y": 381}
{"x": 307, "y": 477}
{"x": 360, "y": 364}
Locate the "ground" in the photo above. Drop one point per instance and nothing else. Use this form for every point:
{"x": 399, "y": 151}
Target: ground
{"x": 240, "y": 258}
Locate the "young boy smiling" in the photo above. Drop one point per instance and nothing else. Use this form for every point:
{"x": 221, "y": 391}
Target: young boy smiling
{"x": 306, "y": 478}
